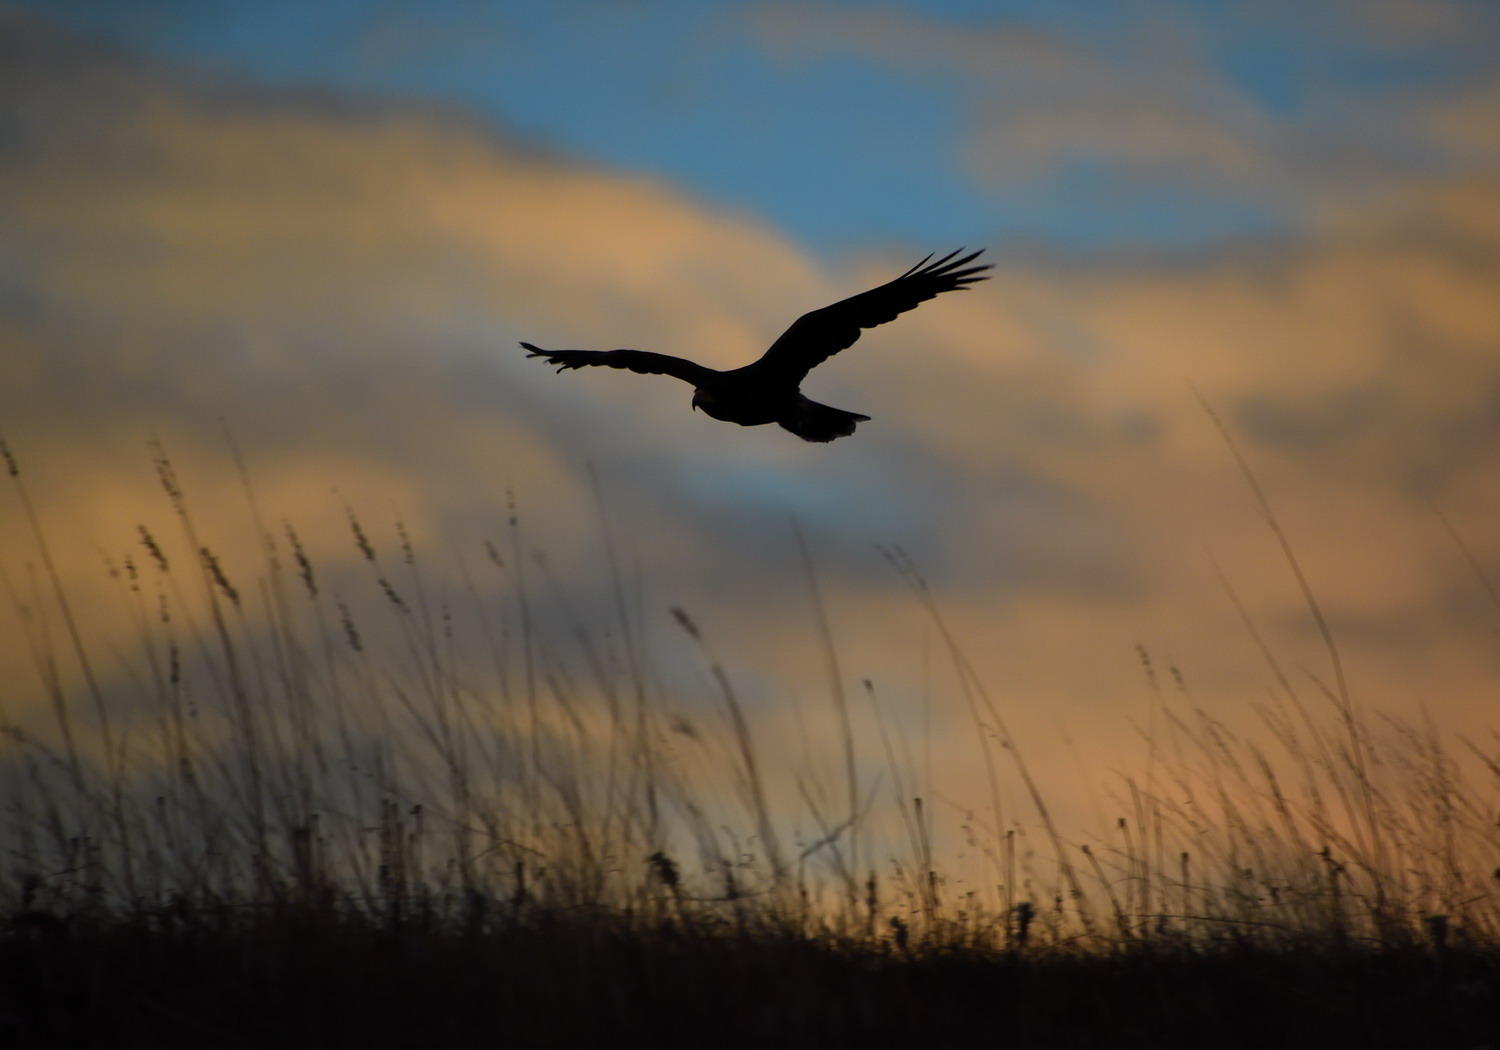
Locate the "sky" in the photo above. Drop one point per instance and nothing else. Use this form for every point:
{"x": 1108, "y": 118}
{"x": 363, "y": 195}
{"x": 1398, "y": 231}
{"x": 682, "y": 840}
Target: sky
{"x": 1069, "y": 125}
{"x": 320, "y": 229}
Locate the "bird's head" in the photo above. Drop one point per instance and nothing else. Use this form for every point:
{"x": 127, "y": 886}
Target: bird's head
{"x": 699, "y": 400}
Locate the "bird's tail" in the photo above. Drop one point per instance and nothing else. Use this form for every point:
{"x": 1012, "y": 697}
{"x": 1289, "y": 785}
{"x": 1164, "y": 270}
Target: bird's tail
{"x": 811, "y": 421}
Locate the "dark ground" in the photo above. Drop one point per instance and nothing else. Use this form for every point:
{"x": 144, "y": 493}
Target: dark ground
{"x": 311, "y": 978}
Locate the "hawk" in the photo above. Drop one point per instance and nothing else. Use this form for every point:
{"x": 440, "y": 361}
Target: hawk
{"x": 766, "y": 391}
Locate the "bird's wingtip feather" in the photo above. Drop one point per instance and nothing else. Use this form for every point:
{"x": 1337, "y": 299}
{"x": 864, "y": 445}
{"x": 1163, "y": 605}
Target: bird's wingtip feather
{"x": 917, "y": 267}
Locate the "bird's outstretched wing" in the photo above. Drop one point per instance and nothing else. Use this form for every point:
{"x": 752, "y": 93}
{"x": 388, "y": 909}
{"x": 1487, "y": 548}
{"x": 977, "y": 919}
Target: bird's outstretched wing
{"x": 635, "y": 360}
{"x": 818, "y": 335}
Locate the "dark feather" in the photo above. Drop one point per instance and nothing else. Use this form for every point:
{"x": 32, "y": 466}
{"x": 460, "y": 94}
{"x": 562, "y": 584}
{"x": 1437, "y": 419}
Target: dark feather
{"x": 636, "y": 360}
{"x": 818, "y": 335}
{"x": 812, "y": 421}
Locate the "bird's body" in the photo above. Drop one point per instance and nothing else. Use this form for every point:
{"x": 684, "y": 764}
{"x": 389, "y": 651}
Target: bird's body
{"x": 737, "y": 398}
{"x": 767, "y": 390}
{"x": 745, "y": 397}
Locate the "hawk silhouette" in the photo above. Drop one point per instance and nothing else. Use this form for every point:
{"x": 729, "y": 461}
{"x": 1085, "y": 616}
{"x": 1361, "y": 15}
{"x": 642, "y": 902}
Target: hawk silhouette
{"x": 766, "y": 391}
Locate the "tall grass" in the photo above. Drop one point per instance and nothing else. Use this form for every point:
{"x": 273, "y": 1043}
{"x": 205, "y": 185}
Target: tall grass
{"x": 382, "y": 738}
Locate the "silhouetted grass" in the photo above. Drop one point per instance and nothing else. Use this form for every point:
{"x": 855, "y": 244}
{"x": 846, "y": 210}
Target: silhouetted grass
{"x": 347, "y": 803}
{"x": 300, "y": 976}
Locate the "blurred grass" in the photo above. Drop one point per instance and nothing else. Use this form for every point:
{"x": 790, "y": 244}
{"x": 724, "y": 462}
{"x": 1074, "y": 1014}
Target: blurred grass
{"x": 315, "y": 807}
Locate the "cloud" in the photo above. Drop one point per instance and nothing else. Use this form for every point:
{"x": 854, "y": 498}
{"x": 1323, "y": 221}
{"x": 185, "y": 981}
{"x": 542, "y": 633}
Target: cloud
{"x": 1148, "y": 105}
{"x": 1416, "y": 22}
{"x": 467, "y": 36}
{"x": 341, "y": 286}
{"x": 1042, "y": 100}
{"x": 1463, "y": 123}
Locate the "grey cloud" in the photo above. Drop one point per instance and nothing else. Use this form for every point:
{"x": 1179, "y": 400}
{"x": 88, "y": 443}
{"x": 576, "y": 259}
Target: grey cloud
{"x": 1147, "y": 106}
{"x": 1042, "y": 100}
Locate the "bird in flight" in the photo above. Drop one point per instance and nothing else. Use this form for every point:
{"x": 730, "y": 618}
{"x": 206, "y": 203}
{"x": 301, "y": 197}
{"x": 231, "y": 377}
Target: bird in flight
{"x": 766, "y": 391}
